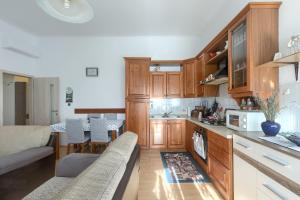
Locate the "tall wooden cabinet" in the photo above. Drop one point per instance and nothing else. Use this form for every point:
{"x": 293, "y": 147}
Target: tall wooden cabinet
{"x": 137, "y": 98}
{"x": 137, "y": 77}
{"x": 253, "y": 40}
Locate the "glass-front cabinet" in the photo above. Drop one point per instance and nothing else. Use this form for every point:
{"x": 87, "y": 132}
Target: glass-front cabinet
{"x": 239, "y": 56}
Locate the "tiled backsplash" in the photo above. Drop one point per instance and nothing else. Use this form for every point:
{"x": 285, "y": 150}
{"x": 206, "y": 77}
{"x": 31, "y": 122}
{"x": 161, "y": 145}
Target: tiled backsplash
{"x": 180, "y": 105}
{"x": 289, "y": 117}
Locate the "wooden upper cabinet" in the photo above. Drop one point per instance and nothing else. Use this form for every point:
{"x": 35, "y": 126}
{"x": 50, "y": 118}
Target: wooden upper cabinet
{"x": 253, "y": 40}
{"x": 174, "y": 84}
{"x": 189, "y": 71}
{"x": 158, "y": 85}
{"x": 176, "y": 134}
{"x": 137, "y": 77}
{"x": 137, "y": 120}
{"x": 165, "y": 84}
{"x": 158, "y": 134}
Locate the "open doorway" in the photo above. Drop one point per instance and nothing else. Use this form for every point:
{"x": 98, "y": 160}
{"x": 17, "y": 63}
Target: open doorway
{"x": 16, "y": 99}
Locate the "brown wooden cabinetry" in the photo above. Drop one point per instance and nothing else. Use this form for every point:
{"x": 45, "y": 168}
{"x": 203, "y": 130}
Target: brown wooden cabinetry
{"x": 158, "y": 134}
{"x": 174, "y": 84}
{"x": 158, "y": 85}
{"x": 137, "y": 119}
{"x": 203, "y": 71}
{"x": 253, "y": 40}
{"x": 137, "y": 77}
{"x": 189, "y": 143}
{"x": 220, "y": 163}
{"x": 176, "y": 134}
{"x": 165, "y": 84}
{"x": 168, "y": 134}
{"x": 190, "y": 78}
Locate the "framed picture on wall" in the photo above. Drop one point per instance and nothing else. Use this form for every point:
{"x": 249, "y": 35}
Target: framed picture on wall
{"x": 91, "y": 72}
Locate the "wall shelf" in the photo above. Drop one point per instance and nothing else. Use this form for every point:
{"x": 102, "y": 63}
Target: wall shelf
{"x": 217, "y": 58}
{"x": 293, "y": 59}
{"x": 218, "y": 81}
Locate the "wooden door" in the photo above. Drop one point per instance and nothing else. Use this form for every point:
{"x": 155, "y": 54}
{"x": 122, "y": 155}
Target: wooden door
{"x": 174, "y": 84}
{"x": 137, "y": 119}
{"x": 189, "y": 70}
{"x": 176, "y": 134}
{"x": 137, "y": 77}
{"x": 158, "y": 85}
{"x": 158, "y": 134}
{"x": 20, "y": 103}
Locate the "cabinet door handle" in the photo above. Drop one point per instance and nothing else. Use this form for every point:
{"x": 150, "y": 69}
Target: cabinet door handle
{"x": 270, "y": 188}
{"x": 243, "y": 145}
{"x": 276, "y": 160}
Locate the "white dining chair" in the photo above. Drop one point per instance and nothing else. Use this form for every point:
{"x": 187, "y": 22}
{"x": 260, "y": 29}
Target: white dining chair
{"x": 110, "y": 116}
{"x": 99, "y": 133}
{"x": 75, "y": 134}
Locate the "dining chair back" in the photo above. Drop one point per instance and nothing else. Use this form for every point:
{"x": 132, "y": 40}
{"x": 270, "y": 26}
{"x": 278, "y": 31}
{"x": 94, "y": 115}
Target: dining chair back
{"x": 110, "y": 116}
{"x": 75, "y": 133}
{"x": 99, "y": 132}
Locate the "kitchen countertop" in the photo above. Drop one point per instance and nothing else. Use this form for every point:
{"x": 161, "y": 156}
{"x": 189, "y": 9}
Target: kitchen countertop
{"x": 228, "y": 133}
{"x": 254, "y": 137}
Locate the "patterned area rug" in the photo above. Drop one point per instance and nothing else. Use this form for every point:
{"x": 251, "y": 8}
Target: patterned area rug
{"x": 180, "y": 167}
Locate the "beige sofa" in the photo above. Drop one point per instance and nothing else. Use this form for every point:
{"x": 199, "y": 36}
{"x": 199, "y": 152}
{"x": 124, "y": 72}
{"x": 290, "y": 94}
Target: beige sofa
{"x": 114, "y": 175}
{"x": 27, "y": 159}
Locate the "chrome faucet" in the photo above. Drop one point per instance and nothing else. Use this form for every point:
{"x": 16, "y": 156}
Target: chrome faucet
{"x": 166, "y": 114}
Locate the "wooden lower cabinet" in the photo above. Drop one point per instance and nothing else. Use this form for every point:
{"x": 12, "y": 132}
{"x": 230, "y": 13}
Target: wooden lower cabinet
{"x": 158, "y": 134}
{"x": 176, "y": 134}
{"x": 189, "y": 143}
{"x": 137, "y": 120}
{"x": 221, "y": 176}
{"x": 168, "y": 134}
{"x": 220, "y": 163}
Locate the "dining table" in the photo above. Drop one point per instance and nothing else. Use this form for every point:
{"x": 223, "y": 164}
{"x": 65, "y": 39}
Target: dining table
{"x": 112, "y": 125}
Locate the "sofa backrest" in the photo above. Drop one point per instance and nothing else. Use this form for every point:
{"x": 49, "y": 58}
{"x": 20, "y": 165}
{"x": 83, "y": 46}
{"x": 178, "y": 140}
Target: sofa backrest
{"x": 101, "y": 179}
{"x": 14, "y": 139}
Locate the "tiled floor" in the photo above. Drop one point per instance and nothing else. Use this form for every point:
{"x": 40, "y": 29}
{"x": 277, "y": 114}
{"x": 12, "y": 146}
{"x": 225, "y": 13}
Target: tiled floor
{"x": 153, "y": 184}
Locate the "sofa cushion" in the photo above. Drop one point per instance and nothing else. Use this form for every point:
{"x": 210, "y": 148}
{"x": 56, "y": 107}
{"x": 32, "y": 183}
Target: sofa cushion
{"x": 73, "y": 164}
{"x": 23, "y": 158}
{"x": 124, "y": 145}
{"x": 14, "y": 139}
{"x": 99, "y": 180}
{"x": 49, "y": 189}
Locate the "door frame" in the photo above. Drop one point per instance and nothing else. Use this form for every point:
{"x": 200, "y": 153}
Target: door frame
{"x": 29, "y": 94}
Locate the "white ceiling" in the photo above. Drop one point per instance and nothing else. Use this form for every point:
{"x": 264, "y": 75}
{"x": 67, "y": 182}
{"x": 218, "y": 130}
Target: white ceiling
{"x": 119, "y": 18}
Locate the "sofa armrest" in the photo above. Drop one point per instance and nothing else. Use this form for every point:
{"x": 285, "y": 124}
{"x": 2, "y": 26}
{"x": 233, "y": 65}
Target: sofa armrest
{"x": 73, "y": 164}
{"x": 52, "y": 140}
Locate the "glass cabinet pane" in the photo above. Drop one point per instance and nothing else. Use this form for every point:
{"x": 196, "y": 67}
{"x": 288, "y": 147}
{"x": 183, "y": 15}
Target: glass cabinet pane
{"x": 239, "y": 56}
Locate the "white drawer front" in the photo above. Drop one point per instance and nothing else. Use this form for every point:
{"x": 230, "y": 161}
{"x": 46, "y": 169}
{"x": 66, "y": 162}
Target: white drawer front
{"x": 284, "y": 164}
{"x": 270, "y": 189}
{"x": 279, "y": 162}
{"x": 243, "y": 145}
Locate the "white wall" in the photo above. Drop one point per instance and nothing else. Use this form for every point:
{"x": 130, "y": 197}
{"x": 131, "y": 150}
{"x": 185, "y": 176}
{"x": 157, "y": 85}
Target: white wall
{"x": 13, "y": 61}
{"x": 67, "y": 58}
{"x": 8, "y": 99}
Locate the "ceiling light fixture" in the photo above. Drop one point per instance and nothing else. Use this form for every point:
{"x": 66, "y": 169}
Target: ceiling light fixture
{"x": 72, "y": 11}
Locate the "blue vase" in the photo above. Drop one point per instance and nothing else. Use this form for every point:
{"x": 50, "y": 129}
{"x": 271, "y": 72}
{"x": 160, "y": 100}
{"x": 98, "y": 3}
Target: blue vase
{"x": 270, "y": 128}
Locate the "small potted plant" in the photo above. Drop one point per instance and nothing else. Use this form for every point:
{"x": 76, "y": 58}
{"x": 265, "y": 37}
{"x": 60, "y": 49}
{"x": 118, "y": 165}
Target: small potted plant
{"x": 270, "y": 108}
